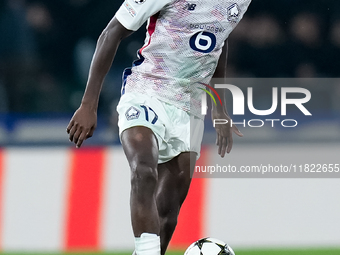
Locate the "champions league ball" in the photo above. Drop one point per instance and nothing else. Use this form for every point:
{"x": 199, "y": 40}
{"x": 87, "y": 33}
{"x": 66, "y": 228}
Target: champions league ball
{"x": 209, "y": 246}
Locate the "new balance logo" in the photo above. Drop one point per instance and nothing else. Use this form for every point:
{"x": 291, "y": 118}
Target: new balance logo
{"x": 190, "y": 7}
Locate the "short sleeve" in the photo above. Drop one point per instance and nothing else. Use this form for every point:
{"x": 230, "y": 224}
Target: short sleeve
{"x": 133, "y": 13}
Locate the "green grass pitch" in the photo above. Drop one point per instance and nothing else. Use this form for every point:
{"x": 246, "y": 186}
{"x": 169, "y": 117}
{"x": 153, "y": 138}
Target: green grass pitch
{"x": 238, "y": 252}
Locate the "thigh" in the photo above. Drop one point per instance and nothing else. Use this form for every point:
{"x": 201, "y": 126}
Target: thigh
{"x": 174, "y": 181}
{"x": 140, "y": 146}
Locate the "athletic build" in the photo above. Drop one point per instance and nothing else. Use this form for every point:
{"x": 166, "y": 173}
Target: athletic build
{"x": 160, "y": 124}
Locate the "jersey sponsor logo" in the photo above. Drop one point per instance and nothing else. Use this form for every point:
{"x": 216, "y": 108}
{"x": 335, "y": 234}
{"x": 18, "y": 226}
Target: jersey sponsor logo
{"x": 190, "y": 7}
{"x": 140, "y": 1}
{"x": 130, "y": 9}
{"x": 203, "y": 41}
{"x": 234, "y": 13}
{"x": 210, "y": 28}
{"x": 132, "y": 113}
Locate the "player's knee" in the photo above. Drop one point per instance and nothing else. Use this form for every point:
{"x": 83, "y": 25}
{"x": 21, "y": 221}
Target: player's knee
{"x": 143, "y": 178}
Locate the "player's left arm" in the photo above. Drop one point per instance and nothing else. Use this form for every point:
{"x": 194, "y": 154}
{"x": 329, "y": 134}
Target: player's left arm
{"x": 224, "y": 132}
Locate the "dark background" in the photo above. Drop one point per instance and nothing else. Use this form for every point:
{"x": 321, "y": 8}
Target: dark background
{"x": 46, "y": 47}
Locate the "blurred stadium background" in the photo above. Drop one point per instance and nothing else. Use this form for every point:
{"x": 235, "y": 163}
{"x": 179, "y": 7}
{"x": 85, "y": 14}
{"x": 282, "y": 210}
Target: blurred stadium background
{"x": 55, "y": 199}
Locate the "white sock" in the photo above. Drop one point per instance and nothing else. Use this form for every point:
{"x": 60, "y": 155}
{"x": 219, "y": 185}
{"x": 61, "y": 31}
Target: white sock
{"x": 148, "y": 244}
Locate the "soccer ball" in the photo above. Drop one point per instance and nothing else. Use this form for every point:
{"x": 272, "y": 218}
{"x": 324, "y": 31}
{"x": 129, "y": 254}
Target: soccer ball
{"x": 209, "y": 246}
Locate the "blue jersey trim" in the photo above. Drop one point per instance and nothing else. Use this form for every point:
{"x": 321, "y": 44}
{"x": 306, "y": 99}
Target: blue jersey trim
{"x": 128, "y": 71}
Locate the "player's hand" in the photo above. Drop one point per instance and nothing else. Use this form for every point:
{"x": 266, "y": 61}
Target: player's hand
{"x": 224, "y": 132}
{"x": 82, "y": 125}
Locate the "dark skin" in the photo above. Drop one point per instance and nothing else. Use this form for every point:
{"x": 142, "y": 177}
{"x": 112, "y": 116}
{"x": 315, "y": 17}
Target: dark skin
{"x": 84, "y": 120}
{"x": 157, "y": 190}
{"x": 224, "y": 133}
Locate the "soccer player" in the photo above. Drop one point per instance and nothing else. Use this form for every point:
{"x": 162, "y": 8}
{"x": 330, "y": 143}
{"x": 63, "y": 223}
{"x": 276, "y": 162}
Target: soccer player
{"x": 160, "y": 121}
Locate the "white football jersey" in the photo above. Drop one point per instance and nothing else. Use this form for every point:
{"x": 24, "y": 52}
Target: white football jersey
{"x": 183, "y": 44}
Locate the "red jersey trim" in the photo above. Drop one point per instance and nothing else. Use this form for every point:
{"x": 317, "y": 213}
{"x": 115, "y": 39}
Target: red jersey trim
{"x": 151, "y": 30}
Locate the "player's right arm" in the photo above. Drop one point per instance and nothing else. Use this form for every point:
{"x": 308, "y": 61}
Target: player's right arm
{"x": 84, "y": 120}
{"x": 130, "y": 17}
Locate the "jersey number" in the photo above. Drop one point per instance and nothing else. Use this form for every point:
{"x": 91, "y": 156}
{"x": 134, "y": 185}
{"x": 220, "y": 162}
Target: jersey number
{"x": 146, "y": 110}
{"x": 203, "y": 42}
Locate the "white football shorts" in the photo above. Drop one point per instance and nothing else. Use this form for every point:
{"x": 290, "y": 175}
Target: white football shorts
{"x": 176, "y": 130}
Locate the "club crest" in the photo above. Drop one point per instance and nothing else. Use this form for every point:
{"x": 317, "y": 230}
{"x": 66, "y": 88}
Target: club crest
{"x": 132, "y": 113}
{"x": 233, "y": 13}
